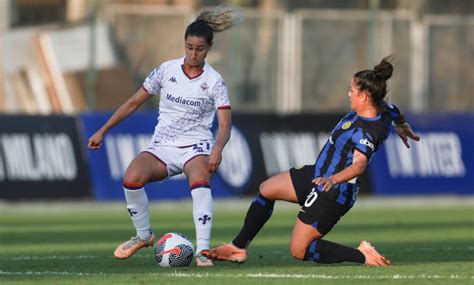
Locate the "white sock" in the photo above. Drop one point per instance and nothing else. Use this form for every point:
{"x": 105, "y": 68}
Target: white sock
{"x": 138, "y": 208}
{"x": 203, "y": 210}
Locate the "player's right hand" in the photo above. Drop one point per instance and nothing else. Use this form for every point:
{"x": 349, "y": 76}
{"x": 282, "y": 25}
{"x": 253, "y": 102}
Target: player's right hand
{"x": 95, "y": 141}
{"x": 326, "y": 183}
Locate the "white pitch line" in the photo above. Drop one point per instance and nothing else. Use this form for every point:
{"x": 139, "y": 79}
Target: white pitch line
{"x": 319, "y": 276}
{"x": 368, "y": 277}
{"x": 59, "y": 257}
{"x": 41, "y": 273}
{"x": 255, "y": 275}
{"x": 52, "y": 257}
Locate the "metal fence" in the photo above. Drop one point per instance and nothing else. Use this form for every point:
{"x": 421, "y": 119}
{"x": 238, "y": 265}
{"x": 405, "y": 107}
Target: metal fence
{"x": 148, "y": 35}
{"x": 335, "y": 45}
{"x": 302, "y": 61}
{"x": 450, "y": 61}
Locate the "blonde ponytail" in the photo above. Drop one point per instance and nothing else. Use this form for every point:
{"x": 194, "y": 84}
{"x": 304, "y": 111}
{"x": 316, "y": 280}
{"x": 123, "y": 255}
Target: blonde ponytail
{"x": 221, "y": 17}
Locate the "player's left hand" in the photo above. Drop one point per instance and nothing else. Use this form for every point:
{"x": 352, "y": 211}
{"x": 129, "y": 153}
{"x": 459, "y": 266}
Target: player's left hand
{"x": 404, "y": 131}
{"x": 326, "y": 183}
{"x": 215, "y": 159}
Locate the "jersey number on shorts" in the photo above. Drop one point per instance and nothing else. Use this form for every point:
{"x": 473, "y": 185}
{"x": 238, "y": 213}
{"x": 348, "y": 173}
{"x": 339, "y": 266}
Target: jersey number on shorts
{"x": 311, "y": 198}
{"x": 199, "y": 147}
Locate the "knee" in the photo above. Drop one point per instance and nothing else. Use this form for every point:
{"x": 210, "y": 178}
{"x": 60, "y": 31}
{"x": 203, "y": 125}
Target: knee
{"x": 132, "y": 186}
{"x": 265, "y": 189}
{"x": 133, "y": 181}
{"x": 297, "y": 251}
{"x": 135, "y": 176}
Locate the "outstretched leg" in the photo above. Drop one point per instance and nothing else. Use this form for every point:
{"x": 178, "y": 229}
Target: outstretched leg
{"x": 257, "y": 215}
{"x": 278, "y": 187}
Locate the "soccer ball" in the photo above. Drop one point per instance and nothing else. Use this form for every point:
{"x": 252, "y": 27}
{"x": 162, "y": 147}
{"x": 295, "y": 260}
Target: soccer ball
{"x": 174, "y": 250}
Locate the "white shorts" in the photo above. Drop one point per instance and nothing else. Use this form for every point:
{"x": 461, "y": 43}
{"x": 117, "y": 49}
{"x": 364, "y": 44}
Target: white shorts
{"x": 175, "y": 157}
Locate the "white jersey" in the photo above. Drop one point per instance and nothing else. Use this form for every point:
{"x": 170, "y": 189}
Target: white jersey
{"x": 187, "y": 105}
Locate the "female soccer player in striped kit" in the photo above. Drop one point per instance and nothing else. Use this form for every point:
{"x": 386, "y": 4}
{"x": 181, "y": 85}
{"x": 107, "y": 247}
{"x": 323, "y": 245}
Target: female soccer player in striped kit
{"x": 190, "y": 93}
{"x": 328, "y": 189}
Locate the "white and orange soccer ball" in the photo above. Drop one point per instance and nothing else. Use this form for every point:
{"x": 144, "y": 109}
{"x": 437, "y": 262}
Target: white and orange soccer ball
{"x": 174, "y": 250}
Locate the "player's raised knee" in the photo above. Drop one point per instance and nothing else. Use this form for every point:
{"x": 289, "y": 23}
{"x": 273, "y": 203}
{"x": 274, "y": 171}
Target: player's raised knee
{"x": 265, "y": 189}
{"x": 134, "y": 179}
{"x": 133, "y": 184}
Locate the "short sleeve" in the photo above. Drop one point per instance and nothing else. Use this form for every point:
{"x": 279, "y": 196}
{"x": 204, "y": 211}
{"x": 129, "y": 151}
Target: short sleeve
{"x": 364, "y": 142}
{"x": 152, "y": 83}
{"x": 394, "y": 112}
{"x": 220, "y": 95}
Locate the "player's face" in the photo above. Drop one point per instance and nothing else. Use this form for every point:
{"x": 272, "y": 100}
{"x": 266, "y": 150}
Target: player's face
{"x": 196, "y": 49}
{"x": 358, "y": 98}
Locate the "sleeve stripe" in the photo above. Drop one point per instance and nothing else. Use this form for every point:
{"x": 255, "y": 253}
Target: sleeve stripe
{"x": 224, "y": 107}
{"x": 143, "y": 86}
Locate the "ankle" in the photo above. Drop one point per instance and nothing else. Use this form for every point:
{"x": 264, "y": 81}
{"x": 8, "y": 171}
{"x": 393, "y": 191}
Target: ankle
{"x": 144, "y": 234}
{"x": 238, "y": 247}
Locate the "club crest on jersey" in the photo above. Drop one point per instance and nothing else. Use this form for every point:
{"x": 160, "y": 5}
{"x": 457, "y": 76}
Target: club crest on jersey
{"x": 204, "y": 86}
{"x": 346, "y": 125}
{"x": 173, "y": 79}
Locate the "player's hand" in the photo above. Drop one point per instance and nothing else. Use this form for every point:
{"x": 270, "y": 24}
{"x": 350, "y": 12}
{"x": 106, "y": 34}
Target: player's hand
{"x": 326, "y": 183}
{"x": 215, "y": 159}
{"x": 404, "y": 131}
{"x": 95, "y": 141}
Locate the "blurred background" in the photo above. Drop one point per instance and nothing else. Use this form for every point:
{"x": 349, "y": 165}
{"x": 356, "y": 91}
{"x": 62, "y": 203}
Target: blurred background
{"x": 67, "y": 64}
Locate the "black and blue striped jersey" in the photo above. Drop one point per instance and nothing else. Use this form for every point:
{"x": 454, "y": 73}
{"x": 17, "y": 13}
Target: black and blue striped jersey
{"x": 353, "y": 132}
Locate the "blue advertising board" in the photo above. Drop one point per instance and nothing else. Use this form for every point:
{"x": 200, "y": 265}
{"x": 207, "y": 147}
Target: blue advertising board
{"x": 108, "y": 164}
{"x": 442, "y": 162}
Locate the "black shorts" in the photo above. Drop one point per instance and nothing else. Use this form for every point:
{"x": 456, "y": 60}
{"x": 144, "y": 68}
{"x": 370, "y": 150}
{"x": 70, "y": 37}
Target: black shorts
{"x": 318, "y": 209}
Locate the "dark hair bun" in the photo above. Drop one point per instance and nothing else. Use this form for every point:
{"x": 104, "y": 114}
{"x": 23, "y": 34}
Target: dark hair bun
{"x": 384, "y": 69}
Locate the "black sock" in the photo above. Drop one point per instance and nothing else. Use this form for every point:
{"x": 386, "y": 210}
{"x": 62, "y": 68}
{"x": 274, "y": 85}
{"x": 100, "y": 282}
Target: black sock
{"x": 323, "y": 251}
{"x": 257, "y": 215}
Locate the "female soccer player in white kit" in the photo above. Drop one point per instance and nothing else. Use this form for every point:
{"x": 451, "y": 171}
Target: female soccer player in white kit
{"x": 190, "y": 93}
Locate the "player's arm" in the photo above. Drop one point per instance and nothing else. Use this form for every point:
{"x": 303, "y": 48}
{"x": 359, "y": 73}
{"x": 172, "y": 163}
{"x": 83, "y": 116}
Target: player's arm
{"x": 359, "y": 163}
{"x": 132, "y": 104}
{"x": 402, "y": 128}
{"x": 224, "y": 121}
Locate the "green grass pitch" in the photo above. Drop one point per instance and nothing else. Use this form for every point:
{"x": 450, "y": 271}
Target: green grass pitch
{"x": 72, "y": 243}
